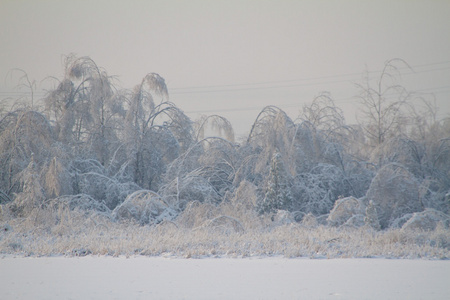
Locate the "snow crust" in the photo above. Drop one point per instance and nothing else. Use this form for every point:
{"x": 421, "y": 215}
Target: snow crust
{"x": 93, "y": 277}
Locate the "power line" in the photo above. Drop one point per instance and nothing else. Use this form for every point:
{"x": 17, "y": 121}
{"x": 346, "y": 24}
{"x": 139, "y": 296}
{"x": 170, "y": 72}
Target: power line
{"x": 253, "y": 86}
{"x": 441, "y": 89}
{"x": 312, "y": 78}
{"x": 258, "y": 88}
{"x": 302, "y": 79}
{"x": 281, "y": 86}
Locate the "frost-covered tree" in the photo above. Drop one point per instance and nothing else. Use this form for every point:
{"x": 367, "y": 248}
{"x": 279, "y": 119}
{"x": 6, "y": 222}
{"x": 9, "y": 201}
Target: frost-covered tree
{"x": 219, "y": 162}
{"x": 426, "y": 157}
{"x": 23, "y": 134}
{"x": 155, "y": 134}
{"x": 204, "y": 173}
{"x": 271, "y": 132}
{"x": 91, "y": 146}
{"x": 86, "y": 111}
{"x": 326, "y": 118}
{"x": 325, "y": 165}
{"x": 219, "y": 126}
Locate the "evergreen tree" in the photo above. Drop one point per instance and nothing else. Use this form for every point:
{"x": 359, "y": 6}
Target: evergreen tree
{"x": 278, "y": 193}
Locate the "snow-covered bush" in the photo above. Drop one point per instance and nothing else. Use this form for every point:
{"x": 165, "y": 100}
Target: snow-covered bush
{"x": 400, "y": 221}
{"x": 315, "y": 192}
{"x": 309, "y": 221}
{"x": 427, "y": 220}
{"x": 144, "y": 207}
{"x": 394, "y": 192}
{"x": 343, "y": 210}
{"x": 355, "y": 221}
{"x": 91, "y": 178}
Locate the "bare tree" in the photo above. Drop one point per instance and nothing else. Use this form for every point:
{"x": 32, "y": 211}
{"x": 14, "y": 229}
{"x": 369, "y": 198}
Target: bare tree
{"x": 24, "y": 82}
{"x": 383, "y": 104}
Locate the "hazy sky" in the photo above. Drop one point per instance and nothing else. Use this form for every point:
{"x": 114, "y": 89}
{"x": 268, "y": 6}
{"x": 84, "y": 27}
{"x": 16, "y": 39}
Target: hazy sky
{"x": 234, "y": 57}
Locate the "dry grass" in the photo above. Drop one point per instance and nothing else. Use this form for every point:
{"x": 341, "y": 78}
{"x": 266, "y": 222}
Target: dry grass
{"x": 206, "y": 230}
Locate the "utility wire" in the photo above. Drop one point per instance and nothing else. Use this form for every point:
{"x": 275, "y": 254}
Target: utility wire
{"x": 297, "y": 104}
{"x": 258, "y": 85}
{"x": 307, "y": 79}
{"x": 280, "y": 86}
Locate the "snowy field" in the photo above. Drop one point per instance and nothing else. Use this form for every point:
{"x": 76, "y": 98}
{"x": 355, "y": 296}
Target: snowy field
{"x": 100, "y": 277}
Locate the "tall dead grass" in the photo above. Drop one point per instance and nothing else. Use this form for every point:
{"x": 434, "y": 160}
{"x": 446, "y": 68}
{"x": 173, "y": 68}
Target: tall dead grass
{"x": 205, "y": 230}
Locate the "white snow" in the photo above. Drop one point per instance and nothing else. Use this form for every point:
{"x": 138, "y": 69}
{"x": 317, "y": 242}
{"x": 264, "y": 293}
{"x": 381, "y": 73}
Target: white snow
{"x": 94, "y": 277}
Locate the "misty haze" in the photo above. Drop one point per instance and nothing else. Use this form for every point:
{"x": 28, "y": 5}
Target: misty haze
{"x": 249, "y": 135}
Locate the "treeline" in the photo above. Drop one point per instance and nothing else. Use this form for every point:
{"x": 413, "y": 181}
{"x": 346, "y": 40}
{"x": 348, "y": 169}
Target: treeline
{"x": 134, "y": 154}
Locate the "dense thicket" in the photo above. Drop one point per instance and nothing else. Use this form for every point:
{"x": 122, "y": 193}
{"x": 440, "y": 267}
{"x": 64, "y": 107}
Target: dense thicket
{"x": 93, "y": 147}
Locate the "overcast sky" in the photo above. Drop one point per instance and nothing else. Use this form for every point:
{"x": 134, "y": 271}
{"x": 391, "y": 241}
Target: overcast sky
{"x": 234, "y": 57}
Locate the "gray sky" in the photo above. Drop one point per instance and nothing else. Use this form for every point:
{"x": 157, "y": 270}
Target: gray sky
{"x": 234, "y": 57}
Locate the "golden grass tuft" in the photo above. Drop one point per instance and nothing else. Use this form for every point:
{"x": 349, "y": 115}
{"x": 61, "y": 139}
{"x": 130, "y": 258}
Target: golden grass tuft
{"x": 205, "y": 230}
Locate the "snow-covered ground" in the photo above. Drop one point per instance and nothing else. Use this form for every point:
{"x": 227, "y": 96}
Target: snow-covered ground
{"x": 93, "y": 277}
